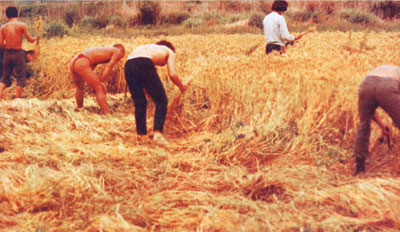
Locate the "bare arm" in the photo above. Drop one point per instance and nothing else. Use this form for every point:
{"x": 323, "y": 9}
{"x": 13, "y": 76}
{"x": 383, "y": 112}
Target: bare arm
{"x": 114, "y": 59}
{"x": 2, "y": 45}
{"x": 378, "y": 120}
{"x": 385, "y": 129}
{"x": 27, "y": 35}
{"x": 172, "y": 72}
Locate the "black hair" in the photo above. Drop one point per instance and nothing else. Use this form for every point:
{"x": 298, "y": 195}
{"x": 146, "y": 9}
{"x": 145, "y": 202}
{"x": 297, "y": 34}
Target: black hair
{"x": 29, "y": 52}
{"x": 279, "y": 5}
{"x": 11, "y": 12}
{"x": 167, "y": 44}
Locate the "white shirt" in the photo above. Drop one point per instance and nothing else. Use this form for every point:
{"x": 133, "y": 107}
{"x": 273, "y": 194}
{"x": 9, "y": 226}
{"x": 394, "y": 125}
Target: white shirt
{"x": 386, "y": 71}
{"x": 275, "y": 29}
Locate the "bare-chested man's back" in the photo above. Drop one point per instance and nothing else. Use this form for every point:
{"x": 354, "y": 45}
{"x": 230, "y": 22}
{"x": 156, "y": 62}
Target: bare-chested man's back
{"x": 13, "y": 32}
{"x": 11, "y": 36}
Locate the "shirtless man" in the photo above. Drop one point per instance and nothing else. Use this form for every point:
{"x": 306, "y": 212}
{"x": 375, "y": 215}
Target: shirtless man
{"x": 141, "y": 74}
{"x": 11, "y": 35}
{"x": 82, "y": 68}
{"x": 381, "y": 88}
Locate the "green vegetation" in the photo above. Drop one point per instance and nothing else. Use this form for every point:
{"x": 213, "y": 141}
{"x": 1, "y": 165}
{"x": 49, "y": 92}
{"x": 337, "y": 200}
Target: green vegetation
{"x": 55, "y": 29}
{"x": 256, "y": 19}
{"x": 154, "y": 18}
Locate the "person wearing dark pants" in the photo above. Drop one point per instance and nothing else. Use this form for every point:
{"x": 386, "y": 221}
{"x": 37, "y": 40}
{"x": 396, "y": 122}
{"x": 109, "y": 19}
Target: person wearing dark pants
{"x": 141, "y": 75}
{"x": 379, "y": 89}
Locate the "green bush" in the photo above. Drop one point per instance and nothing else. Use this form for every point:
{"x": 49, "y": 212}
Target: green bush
{"x": 214, "y": 16}
{"x": 71, "y": 17}
{"x": 149, "y": 12}
{"x": 175, "y": 18}
{"x": 93, "y": 22}
{"x": 118, "y": 21}
{"x": 55, "y": 29}
{"x": 386, "y": 9}
{"x": 304, "y": 15}
{"x": 358, "y": 17}
{"x": 193, "y": 22}
{"x": 32, "y": 10}
{"x": 256, "y": 19}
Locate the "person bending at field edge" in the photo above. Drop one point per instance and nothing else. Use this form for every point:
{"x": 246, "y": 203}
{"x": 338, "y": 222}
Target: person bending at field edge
{"x": 29, "y": 57}
{"x": 275, "y": 30}
{"x": 381, "y": 88}
{"x": 82, "y": 68}
{"x": 11, "y": 35}
{"x": 141, "y": 74}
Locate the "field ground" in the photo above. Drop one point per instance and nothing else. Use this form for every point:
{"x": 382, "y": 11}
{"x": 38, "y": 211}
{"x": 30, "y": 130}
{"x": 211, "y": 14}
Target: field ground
{"x": 257, "y": 143}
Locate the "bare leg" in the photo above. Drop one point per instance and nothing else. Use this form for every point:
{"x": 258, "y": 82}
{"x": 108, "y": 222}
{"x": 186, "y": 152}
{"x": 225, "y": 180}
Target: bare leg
{"x": 83, "y": 69}
{"x": 101, "y": 98}
{"x": 80, "y": 86}
{"x": 18, "y": 92}
{"x": 2, "y": 88}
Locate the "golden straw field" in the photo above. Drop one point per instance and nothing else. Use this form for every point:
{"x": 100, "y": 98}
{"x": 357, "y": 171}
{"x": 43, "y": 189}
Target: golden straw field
{"x": 257, "y": 143}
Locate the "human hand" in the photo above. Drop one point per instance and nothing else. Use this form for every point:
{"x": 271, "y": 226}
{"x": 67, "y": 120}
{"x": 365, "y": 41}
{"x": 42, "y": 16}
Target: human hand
{"x": 387, "y": 131}
{"x": 186, "y": 83}
{"x": 183, "y": 88}
{"x": 299, "y": 37}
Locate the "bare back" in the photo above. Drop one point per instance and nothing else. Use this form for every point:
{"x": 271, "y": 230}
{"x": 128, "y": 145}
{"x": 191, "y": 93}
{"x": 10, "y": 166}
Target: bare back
{"x": 157, "y": 53}
{"x": 12, "y": 34}
{"x": 386, "y": 71}
{"x": 160, "y": 55}
{"x": 101, "y": 55}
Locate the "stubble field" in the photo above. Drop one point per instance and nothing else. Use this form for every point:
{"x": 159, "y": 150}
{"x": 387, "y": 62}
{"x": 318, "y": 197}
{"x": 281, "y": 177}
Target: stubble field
{"x": 257, "y": 143}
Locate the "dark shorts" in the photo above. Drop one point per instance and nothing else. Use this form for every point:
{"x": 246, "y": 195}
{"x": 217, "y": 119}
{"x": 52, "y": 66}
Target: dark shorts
{"x": 14, "y": 60}
{"x": 273, "y": 47}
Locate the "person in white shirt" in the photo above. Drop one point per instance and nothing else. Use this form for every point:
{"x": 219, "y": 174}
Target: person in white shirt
{"x": 275, "y": 30}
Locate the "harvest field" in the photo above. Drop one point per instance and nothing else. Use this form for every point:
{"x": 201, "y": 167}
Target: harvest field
{"x": 258, "y": 143}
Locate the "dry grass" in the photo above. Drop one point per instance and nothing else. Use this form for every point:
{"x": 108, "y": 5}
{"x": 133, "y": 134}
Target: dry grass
{"x": 259, "y": 143}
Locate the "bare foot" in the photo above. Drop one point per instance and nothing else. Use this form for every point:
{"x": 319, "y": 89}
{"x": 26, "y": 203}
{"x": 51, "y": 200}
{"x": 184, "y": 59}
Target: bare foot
{"x": 143, "y": 139}
{"x": 159, "y": 138}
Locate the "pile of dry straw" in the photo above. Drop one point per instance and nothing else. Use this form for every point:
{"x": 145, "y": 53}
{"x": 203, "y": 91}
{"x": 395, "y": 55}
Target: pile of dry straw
{"x": 258, "y": 143}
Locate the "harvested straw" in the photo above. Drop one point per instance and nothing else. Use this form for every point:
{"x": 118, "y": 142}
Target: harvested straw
{"x": 263, "y": 144}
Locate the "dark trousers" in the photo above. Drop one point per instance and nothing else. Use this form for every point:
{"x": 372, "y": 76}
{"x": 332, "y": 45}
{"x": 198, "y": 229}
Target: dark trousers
{"x": 374, "y": 92}
{"x": 140, "y": 75}
{"x": 273, "y": 47}
{"x": 14, "y": 59}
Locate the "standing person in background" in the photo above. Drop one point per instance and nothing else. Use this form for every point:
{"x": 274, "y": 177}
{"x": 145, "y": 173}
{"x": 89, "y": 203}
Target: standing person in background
{"x": 275, "y": 30}
{"x": 11, "y": 35}
{"x": 141, "y": 75}
{"x": 82, "y": 68}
